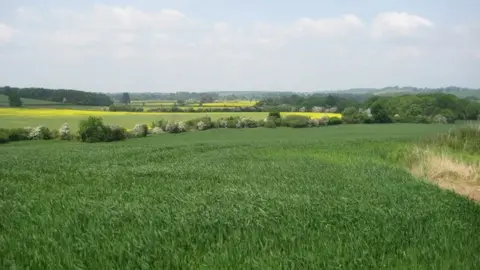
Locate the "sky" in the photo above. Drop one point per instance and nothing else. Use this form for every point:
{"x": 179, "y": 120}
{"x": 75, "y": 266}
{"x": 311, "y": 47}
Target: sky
{"x": 248, "y": 45}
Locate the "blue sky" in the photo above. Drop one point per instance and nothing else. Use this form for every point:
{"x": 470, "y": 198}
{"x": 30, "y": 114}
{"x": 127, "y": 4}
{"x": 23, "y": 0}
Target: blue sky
{"x": 187, "y": 45}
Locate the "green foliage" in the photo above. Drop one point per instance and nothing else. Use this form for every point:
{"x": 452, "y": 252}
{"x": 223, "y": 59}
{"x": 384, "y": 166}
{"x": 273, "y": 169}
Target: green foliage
{"x": 202, "y": 123}
{"x": 334, "y": 121}
{"x": 4, "y": 135}
{"x": 380, "y": 114}
{"x": 140, "y": 130}
{"x": 74, "y": 97}
{"x": 17, "y": 134}
{"x": 274, "y": 115}
{"x": 286, "y": 102}
{"x": 93, "y": 130}
{"x": 14, "y": 98}
{"x": 270, "y": 124}
{"x": 296, "y": 121}
{"x": 125, "y": 98}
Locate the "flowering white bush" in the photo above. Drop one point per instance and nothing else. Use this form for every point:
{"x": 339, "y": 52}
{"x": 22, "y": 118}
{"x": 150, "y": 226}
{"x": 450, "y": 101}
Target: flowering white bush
{"x": 223, "y": 124}
{"x": 246, "y": 123}
{"x": 440, "y": 119}
{"x": 39, "y": 133}
{"x": 314, "y": 122}
{"x": 175, "y": 127}
{"x": 324, "y": 120}
{"x": 201, "y": 125}
{"x": 64, "y": 132}
{"x": 302, "y": 109}
{"x": 156, "y": 130}
{"x": 140, "y": 130}
{"x": 317, "y": 109}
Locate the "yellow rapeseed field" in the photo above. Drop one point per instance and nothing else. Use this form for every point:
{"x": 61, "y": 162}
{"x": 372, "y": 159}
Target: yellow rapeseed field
{"x": 313, "y": 114}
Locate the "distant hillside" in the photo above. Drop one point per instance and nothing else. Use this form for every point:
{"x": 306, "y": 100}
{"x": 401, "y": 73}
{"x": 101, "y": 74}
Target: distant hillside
{"x": 27, "y": 102}
{"x": 63, "y": 96}
{"x": 395, "y": 90}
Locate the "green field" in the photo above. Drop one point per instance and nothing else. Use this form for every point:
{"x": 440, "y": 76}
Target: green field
{"x": 53, "y": 119}
{"x": 323, "y": 198}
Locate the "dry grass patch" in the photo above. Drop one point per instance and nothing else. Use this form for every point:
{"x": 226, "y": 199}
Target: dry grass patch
{"x": 446, "y": 171}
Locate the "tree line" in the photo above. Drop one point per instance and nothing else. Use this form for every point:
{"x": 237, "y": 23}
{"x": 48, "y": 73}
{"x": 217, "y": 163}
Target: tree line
{"x": 65, "y": 96}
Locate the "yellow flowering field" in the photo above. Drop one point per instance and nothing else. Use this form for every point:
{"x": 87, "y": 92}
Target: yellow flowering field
{"x": 313, "y": 114}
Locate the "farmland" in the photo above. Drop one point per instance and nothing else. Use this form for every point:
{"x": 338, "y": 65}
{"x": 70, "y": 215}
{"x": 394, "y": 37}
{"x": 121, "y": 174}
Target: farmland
{"x": 232, "y": 199}
{"x": 54, "y": 118}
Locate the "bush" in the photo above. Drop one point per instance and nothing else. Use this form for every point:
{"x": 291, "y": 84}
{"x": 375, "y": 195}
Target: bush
{"x": 17, "y": 134}
{"x": 270, "y": 124}
{"x": 335, "y": 121}
{"x": 64, "y": 132}
{"x": 4, "y": 135}
{"x": 40, "y": 133}
{"x": 229, "y": 122}
{"x": 114, "y": 133}
{"x": 314, "y": 122}
{"x": 140, "y": 130}
{"x": 246, "y": 123}
{"x": 156, "y": 130}
{"x": 175, "y": 127}
{"x": 202, "y": 123}
{"x": 93, "y": 130}
{"x": 274, "y": 115}
{"x": 296, "y": 121}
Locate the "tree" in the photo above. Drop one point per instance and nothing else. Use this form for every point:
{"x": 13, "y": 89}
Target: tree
{"x": 125, "y": 98}
{"x": 181, "y": 102}
{"x": 14, "y": 98}
{"x": 380, "y": 114}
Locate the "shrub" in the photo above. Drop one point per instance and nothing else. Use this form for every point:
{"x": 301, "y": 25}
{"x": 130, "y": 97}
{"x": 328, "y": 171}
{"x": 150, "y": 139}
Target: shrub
{"x": 296, "y": 121}
{"x": 229, "y": 122}
{"x": 440, "y": 119}
{"x": 40, "y": 133}
{"x": 140, "y": 130}
{"x": 114, "y": 133}
{"x": 270, "y": 124}
{"x": 335, "y": 121}
{"x": 92, "y": 130}
{"x": 274, "y": 115}
{"x": 175, "y": 127}
{"x": 17, "y": 134}
{"x": 313, "y": 122}
{"x": 64, "y": 132}
{"x": 156, "y": 130}
{"x": 246, "y": 123}
{"x": 160, "y": 123}
{"x": 4, "y": 134}
{"x": 202, "y": 123}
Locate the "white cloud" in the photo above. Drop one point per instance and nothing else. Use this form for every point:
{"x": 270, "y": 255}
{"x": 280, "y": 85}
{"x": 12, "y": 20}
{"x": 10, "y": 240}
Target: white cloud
{"x": 28, "y": 15}
{"x": 6, "y": 33}
{"x": 329, "y": 27}
{"x": 398, "y": 24}
{"x": 152, "y": 49}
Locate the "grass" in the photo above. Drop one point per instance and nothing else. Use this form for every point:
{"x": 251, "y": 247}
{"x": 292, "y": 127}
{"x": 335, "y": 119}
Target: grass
{"x": 325, "y": 198}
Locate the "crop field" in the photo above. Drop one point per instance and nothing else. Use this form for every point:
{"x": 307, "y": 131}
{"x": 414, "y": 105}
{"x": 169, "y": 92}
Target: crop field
{"x": 169, "y": 103}
{"x": 323, "y": 198}
{"x": 54, "y": 118}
